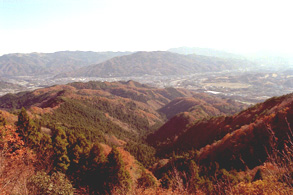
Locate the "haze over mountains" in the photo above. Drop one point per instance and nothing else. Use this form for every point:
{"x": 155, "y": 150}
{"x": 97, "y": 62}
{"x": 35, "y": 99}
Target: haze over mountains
{"x": 159, "y": 63}
{"x": 175, "y": 61}
{"x": 137, "y": 64}
{"x": 205, "y": 52}
{"x": 50, "y": 63}
{"x": 192, "y": 120}
{"x": 207, "y": 70}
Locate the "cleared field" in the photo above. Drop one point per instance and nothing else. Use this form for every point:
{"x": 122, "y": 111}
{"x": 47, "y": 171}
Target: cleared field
{"x": 227, "y": 85}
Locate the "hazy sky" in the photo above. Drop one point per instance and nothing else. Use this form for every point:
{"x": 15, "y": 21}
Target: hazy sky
{"x": 132, "y": 25}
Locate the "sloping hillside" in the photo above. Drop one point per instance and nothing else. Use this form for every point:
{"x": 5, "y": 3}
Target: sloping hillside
{"x": 201, "y": 105}
{"x": 243, "y": 139}
{"x": 117, "y": 113}
{"x": 182, "y": 112}
{"x": 113, "y": 101}
{"x": 72, "y": 128}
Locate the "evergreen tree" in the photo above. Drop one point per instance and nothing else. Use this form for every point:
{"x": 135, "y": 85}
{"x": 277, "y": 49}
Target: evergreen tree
{"x": 95, "y": 176}
{"x": 23, "y": 123}
{"x": 118, "y": 177}
{"x": 78, "y": 152}
{"x": 29, "y": 130}
{"x": 61, "y": 160}
{"x": 33, "y": 137}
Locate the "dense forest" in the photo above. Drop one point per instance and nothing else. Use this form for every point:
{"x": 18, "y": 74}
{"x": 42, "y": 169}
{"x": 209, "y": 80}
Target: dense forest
{"x": 129, "y": 138}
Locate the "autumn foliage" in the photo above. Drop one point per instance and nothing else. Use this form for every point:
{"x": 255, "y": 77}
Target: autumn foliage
{"x": 16, "y": 162}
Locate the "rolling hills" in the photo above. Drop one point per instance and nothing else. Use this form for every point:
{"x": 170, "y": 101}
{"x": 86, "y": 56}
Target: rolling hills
{"x": 91, "y": 131}
{"x": 157, "y": 63}
{"x": 50, "y": 63}
{"x": 117, "y": 113}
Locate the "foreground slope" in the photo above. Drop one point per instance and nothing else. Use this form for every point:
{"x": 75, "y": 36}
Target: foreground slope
{"x": 84, "y": 117}
{"x": 243, "y": 139}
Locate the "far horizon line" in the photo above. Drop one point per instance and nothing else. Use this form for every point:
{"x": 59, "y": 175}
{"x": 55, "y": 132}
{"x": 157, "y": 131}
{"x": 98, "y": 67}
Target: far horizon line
{"x": 228, "y": 51}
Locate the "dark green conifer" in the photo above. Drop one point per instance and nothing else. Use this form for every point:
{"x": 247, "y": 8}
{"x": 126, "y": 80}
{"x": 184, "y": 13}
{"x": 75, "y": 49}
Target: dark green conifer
{"x": 61, "y": 160}
{"x": 23, "y": 123}
{"x": 119, "y": 177}
{"x": 96, "y": 173}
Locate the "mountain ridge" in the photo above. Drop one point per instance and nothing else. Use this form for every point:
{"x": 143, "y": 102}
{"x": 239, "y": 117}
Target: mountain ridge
{"x": 157, "y": 63}
{"x": 30, "y": 64}
{"x": 233, "y": 141}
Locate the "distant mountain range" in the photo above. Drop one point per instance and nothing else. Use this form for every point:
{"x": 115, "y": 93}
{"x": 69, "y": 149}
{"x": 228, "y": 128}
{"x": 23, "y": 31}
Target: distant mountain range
{"x": 114, "y": 64}
{"x": 158, "y": 63}
{"x": 51, "y": 63}
{"x": 267, "y": 60}
{"x": 175, "y": 61}
{"x": 205, "y": 52}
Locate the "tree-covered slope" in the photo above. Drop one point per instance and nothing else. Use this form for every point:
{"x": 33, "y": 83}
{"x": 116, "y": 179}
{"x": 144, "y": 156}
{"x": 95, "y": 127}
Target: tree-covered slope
{"x": 242, "y": 139}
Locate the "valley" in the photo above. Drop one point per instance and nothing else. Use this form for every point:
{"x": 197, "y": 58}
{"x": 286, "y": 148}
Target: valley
{"x": 245, "y": 79}
{"x": 138, "y": 137}
{"x": 146, "y": 97}
{"x": 145, "y": 123}
{"x": 245, "y": 86}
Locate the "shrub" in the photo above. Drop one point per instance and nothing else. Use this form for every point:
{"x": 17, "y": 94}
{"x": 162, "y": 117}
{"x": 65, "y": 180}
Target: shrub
{"x": 146, "y": 180}
{"x": 45, "y": 184}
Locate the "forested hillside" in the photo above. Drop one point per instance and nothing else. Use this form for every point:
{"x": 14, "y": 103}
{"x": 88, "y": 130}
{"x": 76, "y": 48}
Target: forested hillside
{"x": 249, "y": 152}
{"x": 115, "y": 138}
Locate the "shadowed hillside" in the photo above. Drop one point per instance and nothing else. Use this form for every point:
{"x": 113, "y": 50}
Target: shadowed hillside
{"x": 239, "y": 140}
{"x": 185, "y": 111}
